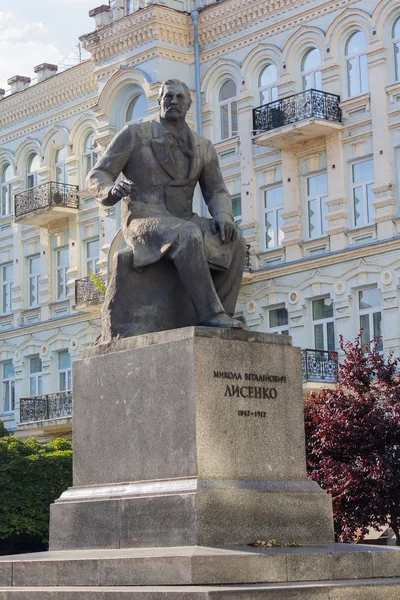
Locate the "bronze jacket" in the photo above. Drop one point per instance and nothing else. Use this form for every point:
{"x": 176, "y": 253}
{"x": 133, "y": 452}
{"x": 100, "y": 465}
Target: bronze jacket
{"x": 153, "y": 214}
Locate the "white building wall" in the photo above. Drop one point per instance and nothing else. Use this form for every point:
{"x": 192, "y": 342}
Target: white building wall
{"x": 132, "y": 54}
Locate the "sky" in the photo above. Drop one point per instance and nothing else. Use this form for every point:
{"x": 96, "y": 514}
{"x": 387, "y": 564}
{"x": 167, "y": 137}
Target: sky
{"x": 37, "y": 31}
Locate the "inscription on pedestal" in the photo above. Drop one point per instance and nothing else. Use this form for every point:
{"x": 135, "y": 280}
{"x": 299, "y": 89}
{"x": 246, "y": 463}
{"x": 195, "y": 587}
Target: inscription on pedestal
{"x": 247, "y": 390}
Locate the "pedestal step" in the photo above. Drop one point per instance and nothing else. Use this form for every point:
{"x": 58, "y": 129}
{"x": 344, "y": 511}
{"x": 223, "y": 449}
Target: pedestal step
{"x": 102, "y": 572}
{"x": 385, "y": 589}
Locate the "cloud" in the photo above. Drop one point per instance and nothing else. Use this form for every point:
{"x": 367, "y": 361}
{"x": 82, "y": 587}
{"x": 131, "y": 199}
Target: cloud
{"x": 25, "y": 42}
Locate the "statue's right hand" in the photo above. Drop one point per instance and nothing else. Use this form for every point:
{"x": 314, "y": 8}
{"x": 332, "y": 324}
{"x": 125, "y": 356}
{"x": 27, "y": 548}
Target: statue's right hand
{"x": 122, "y": 188}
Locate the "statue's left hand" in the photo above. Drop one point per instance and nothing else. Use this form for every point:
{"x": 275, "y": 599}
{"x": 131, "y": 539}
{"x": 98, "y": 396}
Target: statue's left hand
{"x": 225, "y": 225}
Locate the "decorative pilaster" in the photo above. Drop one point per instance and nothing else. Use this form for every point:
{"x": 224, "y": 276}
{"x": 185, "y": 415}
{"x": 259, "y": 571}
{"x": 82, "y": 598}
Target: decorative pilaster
{"x": 292, "y": 228}
{"x": 337, "y": 201}
{"x": 384, "y": 189}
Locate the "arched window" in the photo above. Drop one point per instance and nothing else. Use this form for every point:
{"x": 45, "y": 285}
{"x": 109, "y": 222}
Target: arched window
{"x": 228, "y": 109}
{"x": 396, "y": 47}
{"x": 89, "y": 155}
{"x": 32, "y": 169}
{"x": 137, "y": 108}
{"x": 357, "y": 67}
{"x": 268, "y": 92}
{"x": 5, "y": 189}
{"x": 310, "y": 70}
{"x": 60, "y": 166}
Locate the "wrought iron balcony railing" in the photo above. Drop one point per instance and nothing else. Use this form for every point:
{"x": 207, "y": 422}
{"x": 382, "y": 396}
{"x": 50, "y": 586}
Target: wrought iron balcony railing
{"x": 46, "y": 406}
{"x": 86, "y": 293}
{"x": 47, "y": 195}
{"x": 319, "y": 365}
{"x": 305, "y": 105}
{"x": 247, "y": 260}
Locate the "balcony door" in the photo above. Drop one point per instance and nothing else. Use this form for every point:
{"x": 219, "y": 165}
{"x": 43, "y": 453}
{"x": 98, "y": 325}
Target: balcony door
{"x": 35, "y": 376}
{"x": 60, "y": 165}
{"x": 32, "y": 171}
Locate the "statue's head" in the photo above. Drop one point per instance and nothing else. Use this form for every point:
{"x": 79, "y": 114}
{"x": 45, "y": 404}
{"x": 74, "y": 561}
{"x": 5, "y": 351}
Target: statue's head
{"x": 174, "y": 100}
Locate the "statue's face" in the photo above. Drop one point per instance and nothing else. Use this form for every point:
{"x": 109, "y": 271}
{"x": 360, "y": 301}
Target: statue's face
{"x": 174, "y": 103}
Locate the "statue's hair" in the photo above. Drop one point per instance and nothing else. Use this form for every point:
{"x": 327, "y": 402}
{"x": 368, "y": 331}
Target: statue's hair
{"x": 174, "y": 82}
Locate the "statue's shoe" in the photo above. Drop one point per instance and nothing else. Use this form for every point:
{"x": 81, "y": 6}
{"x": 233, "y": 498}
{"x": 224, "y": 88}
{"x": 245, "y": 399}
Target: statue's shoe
{"x": 222, "y": 320}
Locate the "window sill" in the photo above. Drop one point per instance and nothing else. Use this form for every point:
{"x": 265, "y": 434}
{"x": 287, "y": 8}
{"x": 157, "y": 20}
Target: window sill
{"x": 315, "y": 246}
{"x": 58, "y": 303}
{"x": 271, "y": 257}
{"x": 223, "y": 145}
{"x": 361, "y": 234}
{"x": 393, "y": 92}
{"x": 8, "y": 415}
{"x": 356, "y": 106}
{"x": 316, "y": 240}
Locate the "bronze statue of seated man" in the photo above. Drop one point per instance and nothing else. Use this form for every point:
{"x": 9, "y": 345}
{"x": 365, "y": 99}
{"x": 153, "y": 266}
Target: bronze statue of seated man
{"x": 161, "y": 162}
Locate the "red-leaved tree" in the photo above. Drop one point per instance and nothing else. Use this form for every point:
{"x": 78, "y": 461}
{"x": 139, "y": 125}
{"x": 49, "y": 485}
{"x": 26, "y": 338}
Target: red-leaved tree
{"x": 353, "y": 441}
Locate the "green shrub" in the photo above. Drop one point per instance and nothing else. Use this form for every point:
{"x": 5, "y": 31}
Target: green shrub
{"x": 32, "y": 476}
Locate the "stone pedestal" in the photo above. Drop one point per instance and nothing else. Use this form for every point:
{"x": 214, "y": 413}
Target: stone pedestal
{"x": 187, "y": 440}
{"x": 193, "y": 436}
{"x": 188, "y": 437}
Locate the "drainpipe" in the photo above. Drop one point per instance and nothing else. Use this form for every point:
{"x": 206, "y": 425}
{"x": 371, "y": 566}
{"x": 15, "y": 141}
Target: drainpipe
{"x": 195, "y": 18}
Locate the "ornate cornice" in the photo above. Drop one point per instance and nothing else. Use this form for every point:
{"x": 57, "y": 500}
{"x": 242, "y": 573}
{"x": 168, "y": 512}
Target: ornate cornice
{"x": 57, "y": 91}
{"x": 64, "y": 113}
{"x": 152, "y": 24}
{"x": 223, "y": 20}
{"x": 178, "y": 55}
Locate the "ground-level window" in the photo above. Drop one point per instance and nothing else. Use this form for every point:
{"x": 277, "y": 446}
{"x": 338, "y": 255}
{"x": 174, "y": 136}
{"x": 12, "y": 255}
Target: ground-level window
{"x": 278, "y": 321}
{"x": 369, "y": 306}
{"x": 323, "y": 324}
{"x": 8, "y": 387}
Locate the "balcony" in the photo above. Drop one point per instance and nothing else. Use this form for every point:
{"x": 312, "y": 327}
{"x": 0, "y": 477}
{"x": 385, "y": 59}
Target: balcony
{"x": 46, "y": 203}
{"x": 319, "y": 366}
{"x": 34, "y": 409}
{"x": 296, "y": 119}
{"x": 88, "y": 297}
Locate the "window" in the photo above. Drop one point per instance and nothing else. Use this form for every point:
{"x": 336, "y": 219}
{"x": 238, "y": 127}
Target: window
{"x": 33, "y": 277}
{"x": 363, "y": 196}
{"x": 35, "y": 376}
{"x": 89, "y": 155}
{"x": 130, "y": 6}
{"x": 228, "y": 109}
{"x": 237, "y": 209}
{"x": 33, "y": 166}
{"x": 369, "y": 305}
{"x": 268, "y": 92}
{"x": 6, "y": 191}
{"x": 137, "y": 108}
{"x": 273, "y": 208}
{"x": 60, "y": 166}
{"x": 323, "y": 324}
{"x": 310, "y": 70}
{"x": 64, "y": 371}
{"x": 6, "y": 274}
{"x": 278, "y": 321}
{"x": 92, "y": 256}
{"x": 357, "y": 67}
{"x": 62, "y": 265}
{"x": 317, "y": 187}
{"x": 396, "y": 48}
{"x": 8, "y": 386}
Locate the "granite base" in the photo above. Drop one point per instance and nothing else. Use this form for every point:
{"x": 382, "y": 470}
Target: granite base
{"x": 189, "y": 437}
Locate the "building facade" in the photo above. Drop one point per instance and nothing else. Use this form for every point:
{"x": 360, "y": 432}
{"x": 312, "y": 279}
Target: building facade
{"x": 302, "y": 101}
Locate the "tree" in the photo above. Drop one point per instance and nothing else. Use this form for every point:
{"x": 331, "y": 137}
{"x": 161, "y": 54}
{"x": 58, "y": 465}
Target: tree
{"x": 32, "y": 476}
{"x": 3, "y": 431}
{"x": 353, "y": 441}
